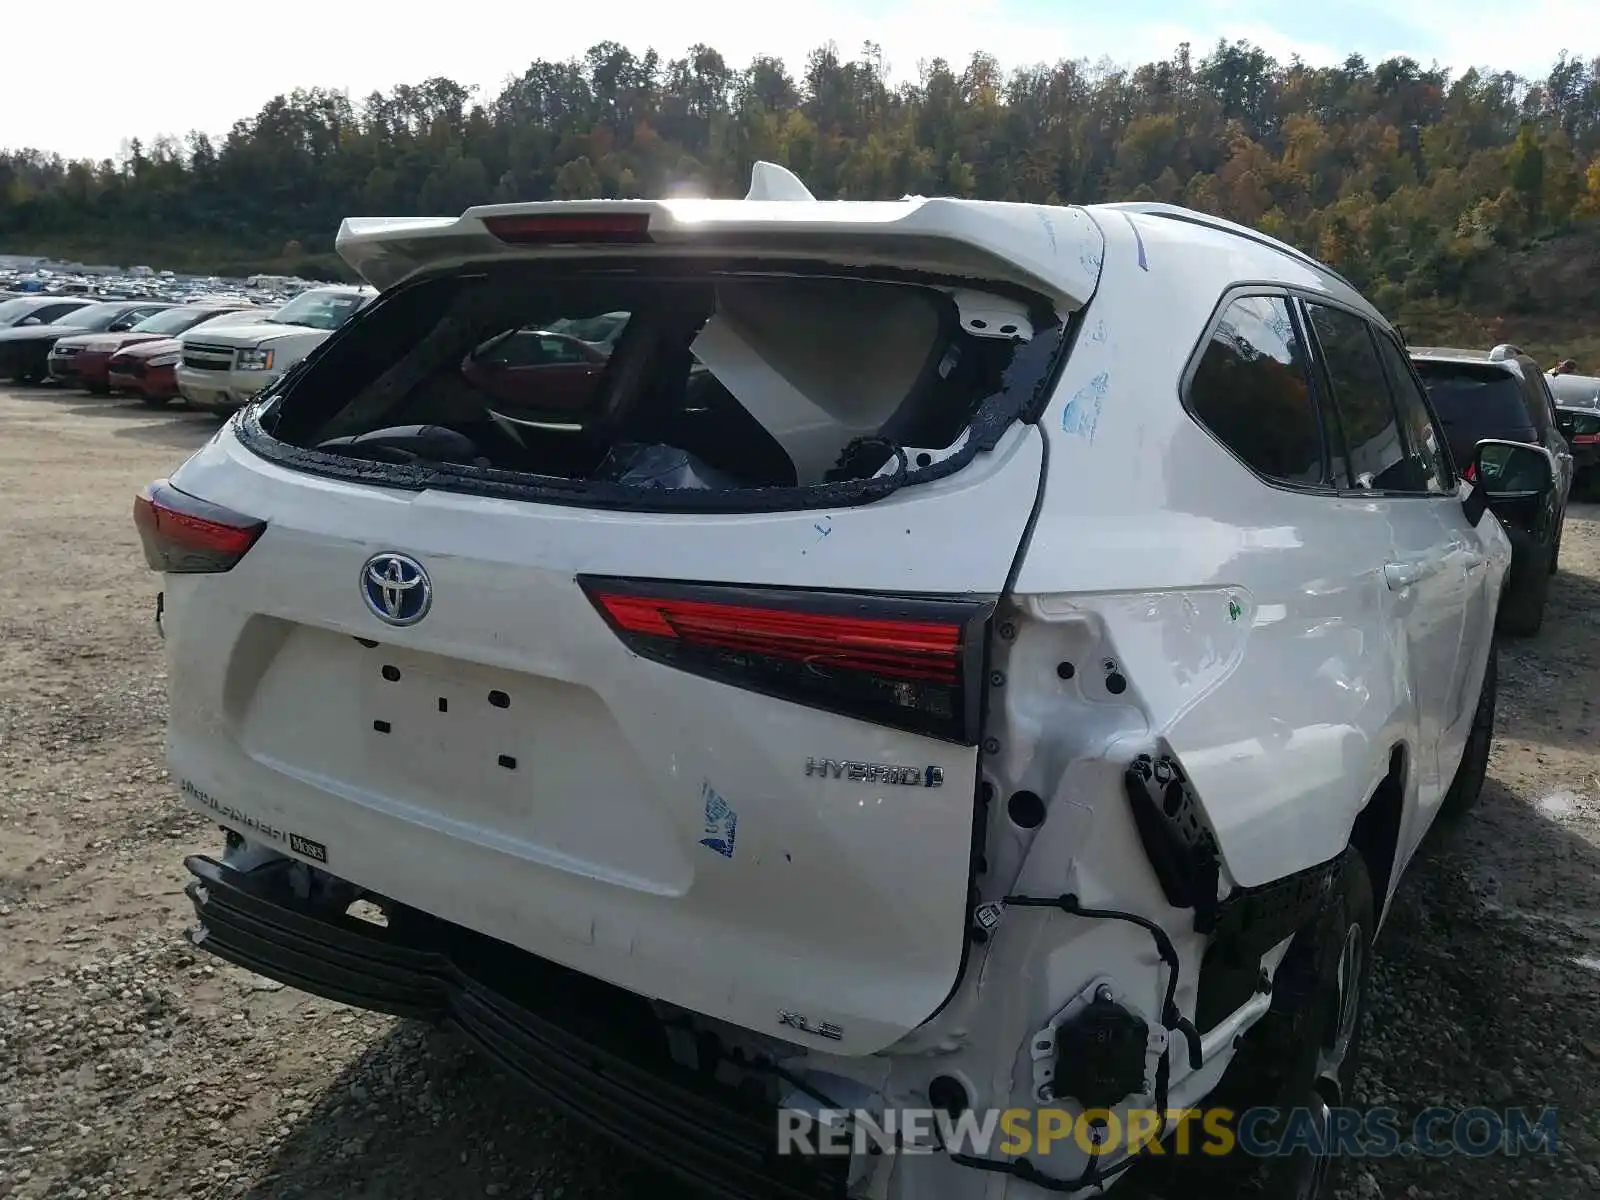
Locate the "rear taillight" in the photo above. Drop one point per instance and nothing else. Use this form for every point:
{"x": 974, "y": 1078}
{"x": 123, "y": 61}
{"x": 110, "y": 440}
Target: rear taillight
{"x": 912, "y": 663}
{"x": 553, "y": 229}
{"x": 1470, "y": 474}
{"x": 184, "y": 535}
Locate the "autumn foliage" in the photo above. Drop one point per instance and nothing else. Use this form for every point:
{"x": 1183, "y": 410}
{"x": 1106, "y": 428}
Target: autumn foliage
{"x": 1404, "y": 177}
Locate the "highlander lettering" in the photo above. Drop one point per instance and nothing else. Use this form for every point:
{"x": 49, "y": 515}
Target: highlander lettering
{"x": 227, "y": 813}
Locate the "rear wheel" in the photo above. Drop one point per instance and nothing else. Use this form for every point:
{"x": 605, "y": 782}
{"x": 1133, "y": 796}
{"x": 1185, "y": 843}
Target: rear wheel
{"x": 154, "y": 401}
{"x": 1522, "y": 608}
{"x": 1467, "y": 786}
{"x": 1555, "y": 548}
{"x": 1300, "y": 1059}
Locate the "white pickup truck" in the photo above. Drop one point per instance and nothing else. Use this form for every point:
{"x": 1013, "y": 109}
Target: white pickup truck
{"x": 222, "y": 369}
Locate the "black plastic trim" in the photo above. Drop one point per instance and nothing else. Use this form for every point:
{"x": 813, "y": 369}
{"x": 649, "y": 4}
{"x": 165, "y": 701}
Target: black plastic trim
{"x": 434, "y": 972}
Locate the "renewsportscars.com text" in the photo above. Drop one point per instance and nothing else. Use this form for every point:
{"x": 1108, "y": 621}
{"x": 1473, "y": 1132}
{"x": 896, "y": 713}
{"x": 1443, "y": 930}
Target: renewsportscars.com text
{"x": 1214, "y": 1132}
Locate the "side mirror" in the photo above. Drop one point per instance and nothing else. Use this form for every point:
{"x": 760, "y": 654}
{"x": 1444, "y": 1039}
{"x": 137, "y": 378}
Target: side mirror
{"x": 1506, "y": 470}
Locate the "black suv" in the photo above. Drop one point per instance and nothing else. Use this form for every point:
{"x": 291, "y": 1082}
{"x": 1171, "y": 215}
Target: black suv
{"x": 1502, "y": 395}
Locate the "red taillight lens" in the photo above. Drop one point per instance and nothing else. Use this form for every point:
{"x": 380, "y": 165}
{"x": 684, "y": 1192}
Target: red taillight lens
{"x": 547, "y": 229}
{"x": 1470, "y": 474}
{"x": 184, "y": 535}
{"x": 911, "y": 663}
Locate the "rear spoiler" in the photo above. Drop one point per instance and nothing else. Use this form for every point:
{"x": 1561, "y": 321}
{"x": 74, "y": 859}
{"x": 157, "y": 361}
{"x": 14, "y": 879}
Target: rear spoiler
{"x": 1053, "y": 251}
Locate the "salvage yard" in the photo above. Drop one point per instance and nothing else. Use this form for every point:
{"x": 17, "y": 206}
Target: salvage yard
{"x": 131, "y": 1065}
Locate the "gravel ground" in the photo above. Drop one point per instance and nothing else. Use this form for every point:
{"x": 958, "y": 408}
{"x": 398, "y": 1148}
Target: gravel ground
{"x": 130, "y": 1066}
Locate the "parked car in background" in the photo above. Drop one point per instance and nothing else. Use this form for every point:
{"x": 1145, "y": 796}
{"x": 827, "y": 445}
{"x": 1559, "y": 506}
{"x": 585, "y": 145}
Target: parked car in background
{"x": 1501, "y": 395}
{"x": 222, "y": 369}
{"x": 85, "y": 358}
{"x": 25, "y": 349}
{"x": 1578, "y": 417}
{"x": 537, "y": 371}
{"x": 995, "y": 713}
{"x": 1575, "y": 391}
{"x": 21, "y": 311}
{"x": 601, "y": 331}
{"x": 148, "y": 369}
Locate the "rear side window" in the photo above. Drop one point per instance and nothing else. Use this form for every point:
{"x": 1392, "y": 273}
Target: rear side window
{"x": 1374, "y": 450}
{"x": 1252, "y": 391}
{"x": 1584, "y": 423}
{"x": 1477, "y": 398}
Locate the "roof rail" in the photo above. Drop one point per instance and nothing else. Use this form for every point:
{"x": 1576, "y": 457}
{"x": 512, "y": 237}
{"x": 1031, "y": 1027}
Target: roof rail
{"x": 1174, "y": 212}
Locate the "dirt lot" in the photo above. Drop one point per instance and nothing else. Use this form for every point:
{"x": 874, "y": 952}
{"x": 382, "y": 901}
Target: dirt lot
{"x": 130, "y": 1066}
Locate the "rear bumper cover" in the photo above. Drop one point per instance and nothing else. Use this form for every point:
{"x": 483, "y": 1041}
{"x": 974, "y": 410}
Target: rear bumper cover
{"x": 433, "y": 971}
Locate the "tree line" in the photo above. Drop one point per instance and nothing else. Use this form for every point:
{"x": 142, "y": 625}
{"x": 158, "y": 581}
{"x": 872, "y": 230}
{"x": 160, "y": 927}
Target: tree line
{"x": 1403, "y": 177}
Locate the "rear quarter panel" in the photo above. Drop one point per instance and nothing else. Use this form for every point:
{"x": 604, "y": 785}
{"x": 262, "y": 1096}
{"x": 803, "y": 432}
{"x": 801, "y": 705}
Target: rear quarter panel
{"x": 1250, "y": 622}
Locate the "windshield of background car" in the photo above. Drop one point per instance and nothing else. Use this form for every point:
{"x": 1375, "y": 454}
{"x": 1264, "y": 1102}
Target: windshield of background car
{"x": 1478, "y": 397}
{"x": 173, "y": 321}
{"x": 13, "y": 310}
{"x": 93, "y": 317}
{"x": 222, "y": 316}
{"x": 318, "y": 310}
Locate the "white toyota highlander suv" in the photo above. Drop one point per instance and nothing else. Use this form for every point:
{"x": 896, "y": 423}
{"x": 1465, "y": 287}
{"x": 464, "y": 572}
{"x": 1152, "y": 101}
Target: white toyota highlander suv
{"x": 945, "y": 655}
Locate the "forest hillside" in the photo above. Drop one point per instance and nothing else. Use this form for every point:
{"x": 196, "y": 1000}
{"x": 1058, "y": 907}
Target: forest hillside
{"x": 1467, "y": 204}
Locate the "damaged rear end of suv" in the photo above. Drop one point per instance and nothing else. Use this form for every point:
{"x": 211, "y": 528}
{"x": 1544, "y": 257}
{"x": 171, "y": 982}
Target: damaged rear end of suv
{"x": 712, "y": 637}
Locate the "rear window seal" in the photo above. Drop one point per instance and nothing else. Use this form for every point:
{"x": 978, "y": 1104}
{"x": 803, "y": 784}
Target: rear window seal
{"x": 1020, "y": 399}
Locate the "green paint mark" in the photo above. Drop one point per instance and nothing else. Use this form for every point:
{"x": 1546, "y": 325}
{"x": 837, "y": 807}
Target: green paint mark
{"x": 1233, "y": 610}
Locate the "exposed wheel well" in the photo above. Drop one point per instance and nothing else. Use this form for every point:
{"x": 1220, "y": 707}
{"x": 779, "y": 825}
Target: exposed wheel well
{"x": 1377, "y": 829}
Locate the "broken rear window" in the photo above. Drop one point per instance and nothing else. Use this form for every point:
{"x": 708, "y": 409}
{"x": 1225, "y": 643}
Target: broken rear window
{"x": 684, "y": 381}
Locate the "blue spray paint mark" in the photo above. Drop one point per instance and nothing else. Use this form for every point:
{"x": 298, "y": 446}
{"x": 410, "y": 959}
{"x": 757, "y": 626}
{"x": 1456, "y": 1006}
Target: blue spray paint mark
{"x": 722, "y": 823}
{"x": 823, "y": 527}
{"x": 1049, "y": 229}
{"x": 1144, "y": 264}
{"x": 1090, "y": 260}
{"x": 1099, "y": 333}
{"x": 1082, "y": 414}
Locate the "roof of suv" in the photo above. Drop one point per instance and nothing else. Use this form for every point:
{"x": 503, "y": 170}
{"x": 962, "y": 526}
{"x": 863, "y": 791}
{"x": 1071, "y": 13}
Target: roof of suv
{"x": 1507, "y": 355}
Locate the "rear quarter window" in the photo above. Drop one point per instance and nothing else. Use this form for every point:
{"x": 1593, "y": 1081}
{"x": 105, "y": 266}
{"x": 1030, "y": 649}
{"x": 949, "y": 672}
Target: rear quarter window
{"x": 1251, "y": 390}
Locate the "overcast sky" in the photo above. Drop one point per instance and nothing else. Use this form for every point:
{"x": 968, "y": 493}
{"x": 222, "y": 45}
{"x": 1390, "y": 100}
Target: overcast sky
{"x": 83, "y": 77}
